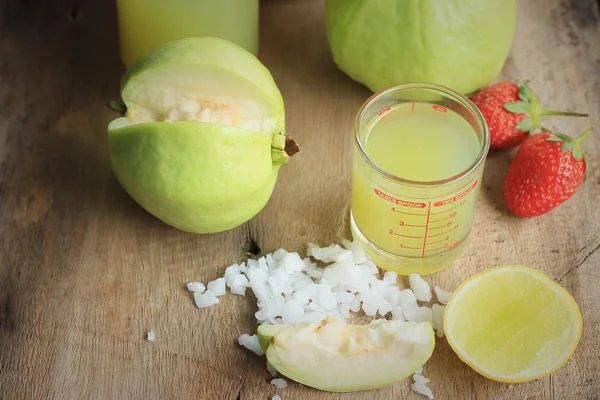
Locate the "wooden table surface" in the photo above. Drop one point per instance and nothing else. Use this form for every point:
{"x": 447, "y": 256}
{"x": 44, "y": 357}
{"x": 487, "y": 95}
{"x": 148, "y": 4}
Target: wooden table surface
{"x": 85, "y": 272}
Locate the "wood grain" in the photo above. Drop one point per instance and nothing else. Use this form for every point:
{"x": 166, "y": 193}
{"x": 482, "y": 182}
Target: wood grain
{"x": 85, "y": 272}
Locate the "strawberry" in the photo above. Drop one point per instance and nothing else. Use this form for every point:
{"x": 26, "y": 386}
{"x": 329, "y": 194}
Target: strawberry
{"x": 547, "y": 169}
{"x": 512, "y": 112}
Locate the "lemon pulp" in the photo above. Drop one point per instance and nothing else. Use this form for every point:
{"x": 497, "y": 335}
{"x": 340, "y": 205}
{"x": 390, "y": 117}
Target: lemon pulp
{"x": 512, "y": 324}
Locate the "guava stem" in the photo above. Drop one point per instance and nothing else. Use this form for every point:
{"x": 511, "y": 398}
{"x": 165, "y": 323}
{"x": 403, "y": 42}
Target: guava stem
{"x": 291, "y": 146}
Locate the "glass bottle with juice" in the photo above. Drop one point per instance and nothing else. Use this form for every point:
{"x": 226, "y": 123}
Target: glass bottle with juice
{"x": 147, "y": 24}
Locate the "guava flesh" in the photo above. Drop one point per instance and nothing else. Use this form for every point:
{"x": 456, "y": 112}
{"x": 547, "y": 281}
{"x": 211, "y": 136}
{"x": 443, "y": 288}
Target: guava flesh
{"x": 203, "y": 80}
{"x": 336, "y": 357}
{"x": 186, "y": 93}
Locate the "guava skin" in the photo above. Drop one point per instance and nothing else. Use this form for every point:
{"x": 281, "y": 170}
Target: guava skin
{"x": 197, "y": 177}
{"x": 460, "y": 44}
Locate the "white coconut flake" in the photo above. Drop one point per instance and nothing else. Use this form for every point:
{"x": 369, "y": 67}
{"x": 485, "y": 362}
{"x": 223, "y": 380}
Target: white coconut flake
{"x": 344, "y": 297}
{"x": 326, "y": 297}
{"x": 420, "y": 385}
{"x": 271, "y": 370}
{"x": 279, "y": 383}
{"x": 326, "y": 254}
{"x": 407, "y": 299}
{"x": 442, "y": 295}
{"x": 292, "y": 262}
{"x": 238, "y": 285}
{"x": 314, "y": 316}
{"x": 370, "y": 266}
{"x": 438, "y": 319}
{"x": 393, "y": 295}
{"x": 293, "y": 312}
{"x": 270, "y": 260}
{"x": 205, "y": 299}
{"x": 419, "y": 314}
{"x": 195, "y": 287}
{"x": 217, "y": 287}
{"x": 390, "y": 278}
{"x": 231, "y": 273}
{"x": 355, "y": 304}
{"x": 398, "y": 314}
{"x": 243, "y": 267}
{"x": 151, "y": 336}
{"x": 418, "y": 378}
{"x": 380, "y": 288}
{"x": 420, "y": 288}
{"x": 276, "y": 397}
{"x": 251, "y": 343}
{"x": 358, "y": 254}
{"x": 345, "y": 310}
{"x": 279, "y": 254}
{"x": 370, "y": 302}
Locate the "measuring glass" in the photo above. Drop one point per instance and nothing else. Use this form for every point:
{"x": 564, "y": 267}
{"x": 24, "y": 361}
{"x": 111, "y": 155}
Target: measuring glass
{"x": 407, "y": 224}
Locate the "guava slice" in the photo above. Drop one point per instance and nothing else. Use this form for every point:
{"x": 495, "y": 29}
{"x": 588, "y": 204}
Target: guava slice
{"x": 202, "y": 136}
{"x": 337, "y": 357}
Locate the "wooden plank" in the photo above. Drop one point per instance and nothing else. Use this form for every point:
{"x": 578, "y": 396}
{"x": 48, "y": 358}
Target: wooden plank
{"x": 84, "y": 272}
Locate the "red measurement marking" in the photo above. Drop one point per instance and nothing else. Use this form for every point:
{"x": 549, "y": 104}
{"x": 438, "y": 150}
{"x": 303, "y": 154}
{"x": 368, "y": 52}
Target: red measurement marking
{"x": 455, "y": 198}
{"x": 438, "y": 227}
{"x": 402, "y": 203}
{"x": 438, "y": 220}
{"x": 415, "y": 226}
{"x": 455, "y": 244}
{"x": 445, "y": 211}
{"x": 439, "y": 108}
{"x": 450, "y": 230}
{"x": 439, "y": 241}
{"x": 413, "y": 107}
{"x": 402, "y": 212}
{"x": 426, "y": 229}
{"x": 406, "y": 236}
{"x": 384, "y": 111}
{"x": 411, "y": 248}
{"x": 439, "y": 248}
{"x": 466, "y": 184}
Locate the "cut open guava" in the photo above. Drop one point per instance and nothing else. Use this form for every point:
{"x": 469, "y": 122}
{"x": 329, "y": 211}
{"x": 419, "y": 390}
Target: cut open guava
{"x": 337, "y": 357}
{"x": 203, "y": 134}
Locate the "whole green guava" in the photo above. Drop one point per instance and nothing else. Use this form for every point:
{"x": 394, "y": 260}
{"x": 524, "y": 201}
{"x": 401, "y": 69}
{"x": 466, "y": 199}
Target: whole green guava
{"x": 460, "y": 44}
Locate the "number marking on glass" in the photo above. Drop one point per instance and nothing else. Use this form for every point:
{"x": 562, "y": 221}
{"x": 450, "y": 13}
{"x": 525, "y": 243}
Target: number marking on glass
{"x": 428, "y": 227}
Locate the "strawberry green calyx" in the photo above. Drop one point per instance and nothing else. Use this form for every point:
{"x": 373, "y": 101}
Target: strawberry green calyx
{"x": 531, "y": 106}
{"x": 570, "y": 144}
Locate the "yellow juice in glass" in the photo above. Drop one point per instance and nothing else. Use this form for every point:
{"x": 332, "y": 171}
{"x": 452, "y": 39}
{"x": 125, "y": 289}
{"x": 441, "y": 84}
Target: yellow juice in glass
{"x": 421, "y": 226}
{"x": 146, "y": 24}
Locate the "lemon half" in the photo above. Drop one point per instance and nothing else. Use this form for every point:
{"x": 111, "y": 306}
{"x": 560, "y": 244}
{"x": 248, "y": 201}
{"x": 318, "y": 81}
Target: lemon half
{"x": 512, "y": 324}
